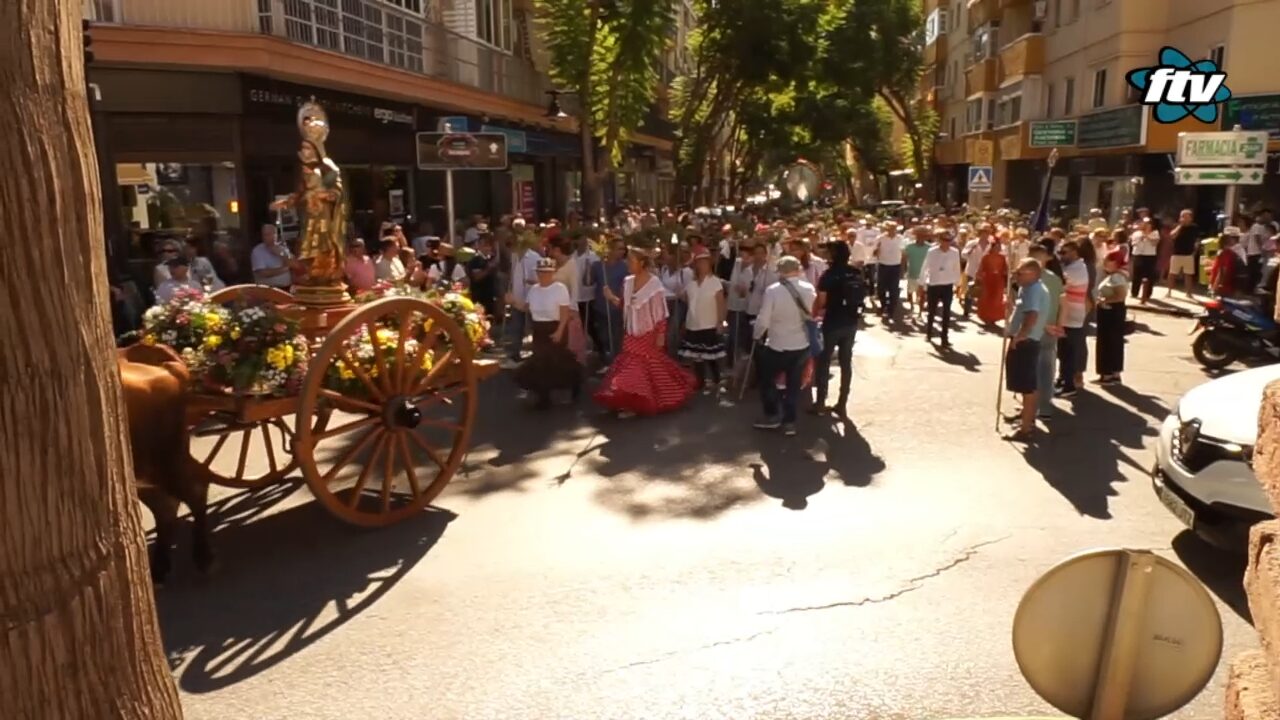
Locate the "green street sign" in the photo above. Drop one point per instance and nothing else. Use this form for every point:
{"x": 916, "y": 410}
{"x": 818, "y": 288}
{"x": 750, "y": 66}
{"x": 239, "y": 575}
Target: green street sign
{"x": 1052, "y": 133}
{"x": 1222, "y": 148}
{"x": 1218, "y": 176}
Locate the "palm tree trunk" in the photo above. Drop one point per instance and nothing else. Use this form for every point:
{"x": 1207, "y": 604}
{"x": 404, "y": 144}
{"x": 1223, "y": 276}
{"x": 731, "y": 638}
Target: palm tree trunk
{"x": 78, "y": 631}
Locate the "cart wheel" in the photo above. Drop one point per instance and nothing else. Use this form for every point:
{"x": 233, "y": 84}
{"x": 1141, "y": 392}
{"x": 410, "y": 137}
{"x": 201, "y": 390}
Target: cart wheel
{"x": 251, "y": 293}
{"x": 234, "y": 444}
{"x": 403, "y": 411}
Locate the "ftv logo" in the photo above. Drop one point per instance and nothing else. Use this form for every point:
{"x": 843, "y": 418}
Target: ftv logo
{"x": 1178, "y": 87}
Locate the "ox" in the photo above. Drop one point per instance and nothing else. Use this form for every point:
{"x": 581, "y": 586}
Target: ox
{"x": 155, "y": 380}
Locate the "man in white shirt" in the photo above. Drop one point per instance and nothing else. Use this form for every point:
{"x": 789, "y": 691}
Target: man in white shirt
{"x": 939, "y": 276}
{"x": 783, "y": 343}
{"x": 972, "y": 260}
{"x": 737, "y": 289}
{"x": 584, "y": 258}
{"x": 869, "y": 238}
{"x": 1258, "y": 246}
{"x": 889, "y": 276}
{"x": 1072, "y": 350}
{"x": 524, "y": 275}
{"x": 271, "y": 261}
{"x": 1144, "y": 246}
{"x": 760, "y": 275}
{"x": 388, "y": 267}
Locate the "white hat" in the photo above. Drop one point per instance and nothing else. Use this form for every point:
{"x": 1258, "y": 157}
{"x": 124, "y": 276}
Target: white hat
{"x": 1231, "y": 230}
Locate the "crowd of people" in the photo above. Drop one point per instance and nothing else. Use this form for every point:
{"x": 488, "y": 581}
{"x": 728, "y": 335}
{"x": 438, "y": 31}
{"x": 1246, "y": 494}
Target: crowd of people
{"x": 664, "y": 306}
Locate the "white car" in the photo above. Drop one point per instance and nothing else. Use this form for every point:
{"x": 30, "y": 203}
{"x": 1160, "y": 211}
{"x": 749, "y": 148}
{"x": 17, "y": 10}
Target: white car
{"x": 1204, "y": 458}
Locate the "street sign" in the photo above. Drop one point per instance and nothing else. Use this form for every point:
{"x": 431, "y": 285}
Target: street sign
{"x": 984, "y": 152}
{"x": 453, "y": 123}
{"x": 1052, "y": 133}
{"x": 1218, "y": 176}
{"x": 980, "y": 177}
{"x": 462, "y": 151}
{"x": 1222, "y": 148}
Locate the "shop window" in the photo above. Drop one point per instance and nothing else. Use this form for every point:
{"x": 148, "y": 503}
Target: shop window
{"x": 1100, "y": 88}
{"x": 1218, "y": 54}
{"x": 1069, "y": 98}
{"x": 1048, "y": 100}
{"x": 413, "y": 6}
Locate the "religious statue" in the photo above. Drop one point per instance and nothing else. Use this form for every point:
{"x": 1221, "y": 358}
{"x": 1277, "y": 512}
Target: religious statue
{"x": 321, "y": 202}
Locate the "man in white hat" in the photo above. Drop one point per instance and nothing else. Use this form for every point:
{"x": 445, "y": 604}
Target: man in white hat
{"x": 783, "y": 343}
{"x": 888, "y": 255}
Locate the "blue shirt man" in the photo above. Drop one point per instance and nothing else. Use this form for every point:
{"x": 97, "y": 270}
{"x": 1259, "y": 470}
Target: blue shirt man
{"x": 1033, "y": 298}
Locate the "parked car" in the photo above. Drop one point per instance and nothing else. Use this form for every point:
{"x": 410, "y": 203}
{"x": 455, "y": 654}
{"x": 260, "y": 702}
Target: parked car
{"x": 1204, "y": 458}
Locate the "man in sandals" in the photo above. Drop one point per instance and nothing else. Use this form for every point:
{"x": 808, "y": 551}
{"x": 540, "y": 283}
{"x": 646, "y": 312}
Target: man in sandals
{"x": 1026, "y": 328}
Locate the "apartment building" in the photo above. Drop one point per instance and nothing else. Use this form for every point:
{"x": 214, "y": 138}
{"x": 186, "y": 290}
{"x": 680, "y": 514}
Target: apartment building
{"x": 1012, "y": 79}
{"x": 198, "y": 100}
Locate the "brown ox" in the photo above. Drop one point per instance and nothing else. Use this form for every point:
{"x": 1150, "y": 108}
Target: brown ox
{"x": 154, "y": 380}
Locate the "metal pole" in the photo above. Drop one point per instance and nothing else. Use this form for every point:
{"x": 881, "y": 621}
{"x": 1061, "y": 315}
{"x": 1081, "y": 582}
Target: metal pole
{"x": 448, "y": 202}
{"x": 1233, "y": 193}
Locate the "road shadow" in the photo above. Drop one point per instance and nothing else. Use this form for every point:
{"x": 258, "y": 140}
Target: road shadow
{"x": 1148, "y": 405}
{"x": 951, "y": 356}
{"x": 286, "y": 580}
{"x": 1222, "y": 571}
{"x": 1082, "y": 454}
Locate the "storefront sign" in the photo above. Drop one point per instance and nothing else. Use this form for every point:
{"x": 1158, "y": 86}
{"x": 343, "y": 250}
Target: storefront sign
{"x": 1053, "y": 133}
{"x": 462, "y": 151}
{"x": 1222, "y": 148}
{"x": 1255, "y": 112}
{"x": 395, "y": 203}
{"x": 262, "y": 94}
{"x": 1058, "y": 187}
{"x": 517, "y": 142}
{"x": 1121, "y": 127}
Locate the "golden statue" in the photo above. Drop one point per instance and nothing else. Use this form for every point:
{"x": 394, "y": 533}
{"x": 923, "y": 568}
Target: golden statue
{"x": 321, "y": 203}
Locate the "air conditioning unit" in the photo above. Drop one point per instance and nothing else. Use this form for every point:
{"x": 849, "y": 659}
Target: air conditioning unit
{"x": 1041, "y": 10}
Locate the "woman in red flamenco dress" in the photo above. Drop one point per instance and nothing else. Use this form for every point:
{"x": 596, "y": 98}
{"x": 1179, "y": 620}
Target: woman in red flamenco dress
{"x": 643, "y": 379}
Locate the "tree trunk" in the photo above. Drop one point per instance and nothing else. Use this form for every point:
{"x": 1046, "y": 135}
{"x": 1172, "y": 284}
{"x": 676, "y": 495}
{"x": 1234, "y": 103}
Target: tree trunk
{"x": 79, "y": 637}
{"x": 592, "y": 198}
{"x": 919, "y": 163}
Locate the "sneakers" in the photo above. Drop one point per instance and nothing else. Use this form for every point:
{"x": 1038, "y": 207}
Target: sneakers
{"x": 768, "y": 424}
{"x": 1065, "y": 393}
{"x": 789, "y": 430}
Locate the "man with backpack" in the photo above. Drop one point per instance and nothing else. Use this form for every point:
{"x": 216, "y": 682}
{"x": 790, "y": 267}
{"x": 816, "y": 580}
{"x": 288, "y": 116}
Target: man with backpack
{"x": 841, "y": 291}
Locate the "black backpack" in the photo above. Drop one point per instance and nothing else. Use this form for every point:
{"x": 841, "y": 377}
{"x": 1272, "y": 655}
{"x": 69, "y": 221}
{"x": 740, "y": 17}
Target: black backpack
{"x": 853, "y": 290}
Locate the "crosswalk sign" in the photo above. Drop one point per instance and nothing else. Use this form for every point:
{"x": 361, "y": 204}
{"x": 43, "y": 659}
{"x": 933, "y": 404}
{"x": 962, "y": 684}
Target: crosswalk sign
{"x": 980, "y": 178}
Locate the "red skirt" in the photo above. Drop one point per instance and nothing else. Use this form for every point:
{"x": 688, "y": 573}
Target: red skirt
{"x": 644, "y": 379}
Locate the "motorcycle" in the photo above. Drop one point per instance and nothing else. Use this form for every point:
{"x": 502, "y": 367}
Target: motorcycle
{"x": 1231, "y": 330}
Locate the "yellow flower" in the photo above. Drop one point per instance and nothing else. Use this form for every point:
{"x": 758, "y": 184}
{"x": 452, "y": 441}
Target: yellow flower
{"x": 148, "y": 339}
{"x": 212, "y": 320}
{"x": 428, "y": 361}
{"x": 385, "y": 337}
{"x": 344, "y": 372}
{"x": 211, "y": 342}
{"x": 235, "y": 332}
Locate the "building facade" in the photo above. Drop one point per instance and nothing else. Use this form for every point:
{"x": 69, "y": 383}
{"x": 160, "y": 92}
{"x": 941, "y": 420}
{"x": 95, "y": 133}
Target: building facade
{"x": 1013, "y": 79}
{"x": 197, "y": 104}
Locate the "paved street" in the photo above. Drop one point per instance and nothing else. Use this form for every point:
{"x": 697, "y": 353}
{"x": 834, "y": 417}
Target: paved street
{"x": 690, "y": 567}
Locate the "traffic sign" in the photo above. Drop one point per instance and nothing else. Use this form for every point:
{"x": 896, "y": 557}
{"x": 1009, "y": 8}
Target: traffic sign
{"x": 1222, "y": 148}
{"x": 980, "y": 177}
{"x": 1218, "y": 176}
{"x": 462, "y": 151}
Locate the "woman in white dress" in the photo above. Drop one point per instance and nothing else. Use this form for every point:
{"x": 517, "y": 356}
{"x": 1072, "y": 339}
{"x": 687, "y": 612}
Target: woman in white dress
{"x": 552, "y": 312}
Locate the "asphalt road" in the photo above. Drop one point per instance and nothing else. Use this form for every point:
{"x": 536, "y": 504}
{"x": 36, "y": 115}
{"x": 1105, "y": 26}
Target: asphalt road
{"x": 690, "y": 567}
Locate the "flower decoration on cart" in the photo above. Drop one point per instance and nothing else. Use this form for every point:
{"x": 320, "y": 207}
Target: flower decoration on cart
{"x": 250, "y": 349}
{"x": 453, "y": 300}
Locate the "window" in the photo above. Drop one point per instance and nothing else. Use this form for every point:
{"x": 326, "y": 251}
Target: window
{"x": 1075, "y": 10}
{"x": 1009, "y": 110}
{"x": 952, "y": 136}
{"x": 1057, "y": 12}
{"x": 1069, "y": 98}
{"x": 973, "y": 115}
{"x": 493, "y": 22}
{"x": 1048, "y": 100}
{"x": 986, "y": 42}
{"x": 991, "y": 113}
{"x": 413, "y": 6}
{"x": 1218, "y": 54}
{"x": 1100, "y": 88}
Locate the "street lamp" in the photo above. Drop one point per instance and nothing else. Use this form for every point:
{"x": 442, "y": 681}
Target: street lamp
{"x": 554, "y": 111}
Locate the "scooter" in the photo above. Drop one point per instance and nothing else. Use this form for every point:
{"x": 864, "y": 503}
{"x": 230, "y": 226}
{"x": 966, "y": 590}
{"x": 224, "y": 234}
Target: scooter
{"x": 1231, "y": 330}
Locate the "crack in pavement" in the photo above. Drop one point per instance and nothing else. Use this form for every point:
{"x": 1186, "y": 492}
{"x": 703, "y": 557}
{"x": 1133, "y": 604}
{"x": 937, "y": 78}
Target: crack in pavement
{"x": 667, "y": 656}
{"x": 911, "y": 585}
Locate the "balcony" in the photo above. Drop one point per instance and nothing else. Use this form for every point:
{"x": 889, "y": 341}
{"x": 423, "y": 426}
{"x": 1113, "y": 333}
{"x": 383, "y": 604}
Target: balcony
{"x": 1006, "y": 4}
{"x": 980, "y": 77}
{"x": 949, "y": 152}
{"x": 935, "y": 53}
{"x": 371, "y": 30}
{"x": 1024, "y": 56}
{"x": 982, "y": 12}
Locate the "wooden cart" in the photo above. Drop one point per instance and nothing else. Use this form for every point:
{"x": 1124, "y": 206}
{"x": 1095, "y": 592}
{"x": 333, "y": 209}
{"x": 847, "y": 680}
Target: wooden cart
{"x": 375, "y": 453}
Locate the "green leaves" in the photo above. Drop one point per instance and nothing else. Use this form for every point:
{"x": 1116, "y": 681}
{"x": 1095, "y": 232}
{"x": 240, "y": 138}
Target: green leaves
{"x": 609, "y": 54}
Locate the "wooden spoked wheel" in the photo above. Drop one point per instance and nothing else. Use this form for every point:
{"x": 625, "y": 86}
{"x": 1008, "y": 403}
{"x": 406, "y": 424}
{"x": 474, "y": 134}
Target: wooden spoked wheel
{"x": 399, "y": 378}
{"x": 251, "y": 293}
{"x": 247, "y": 455}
